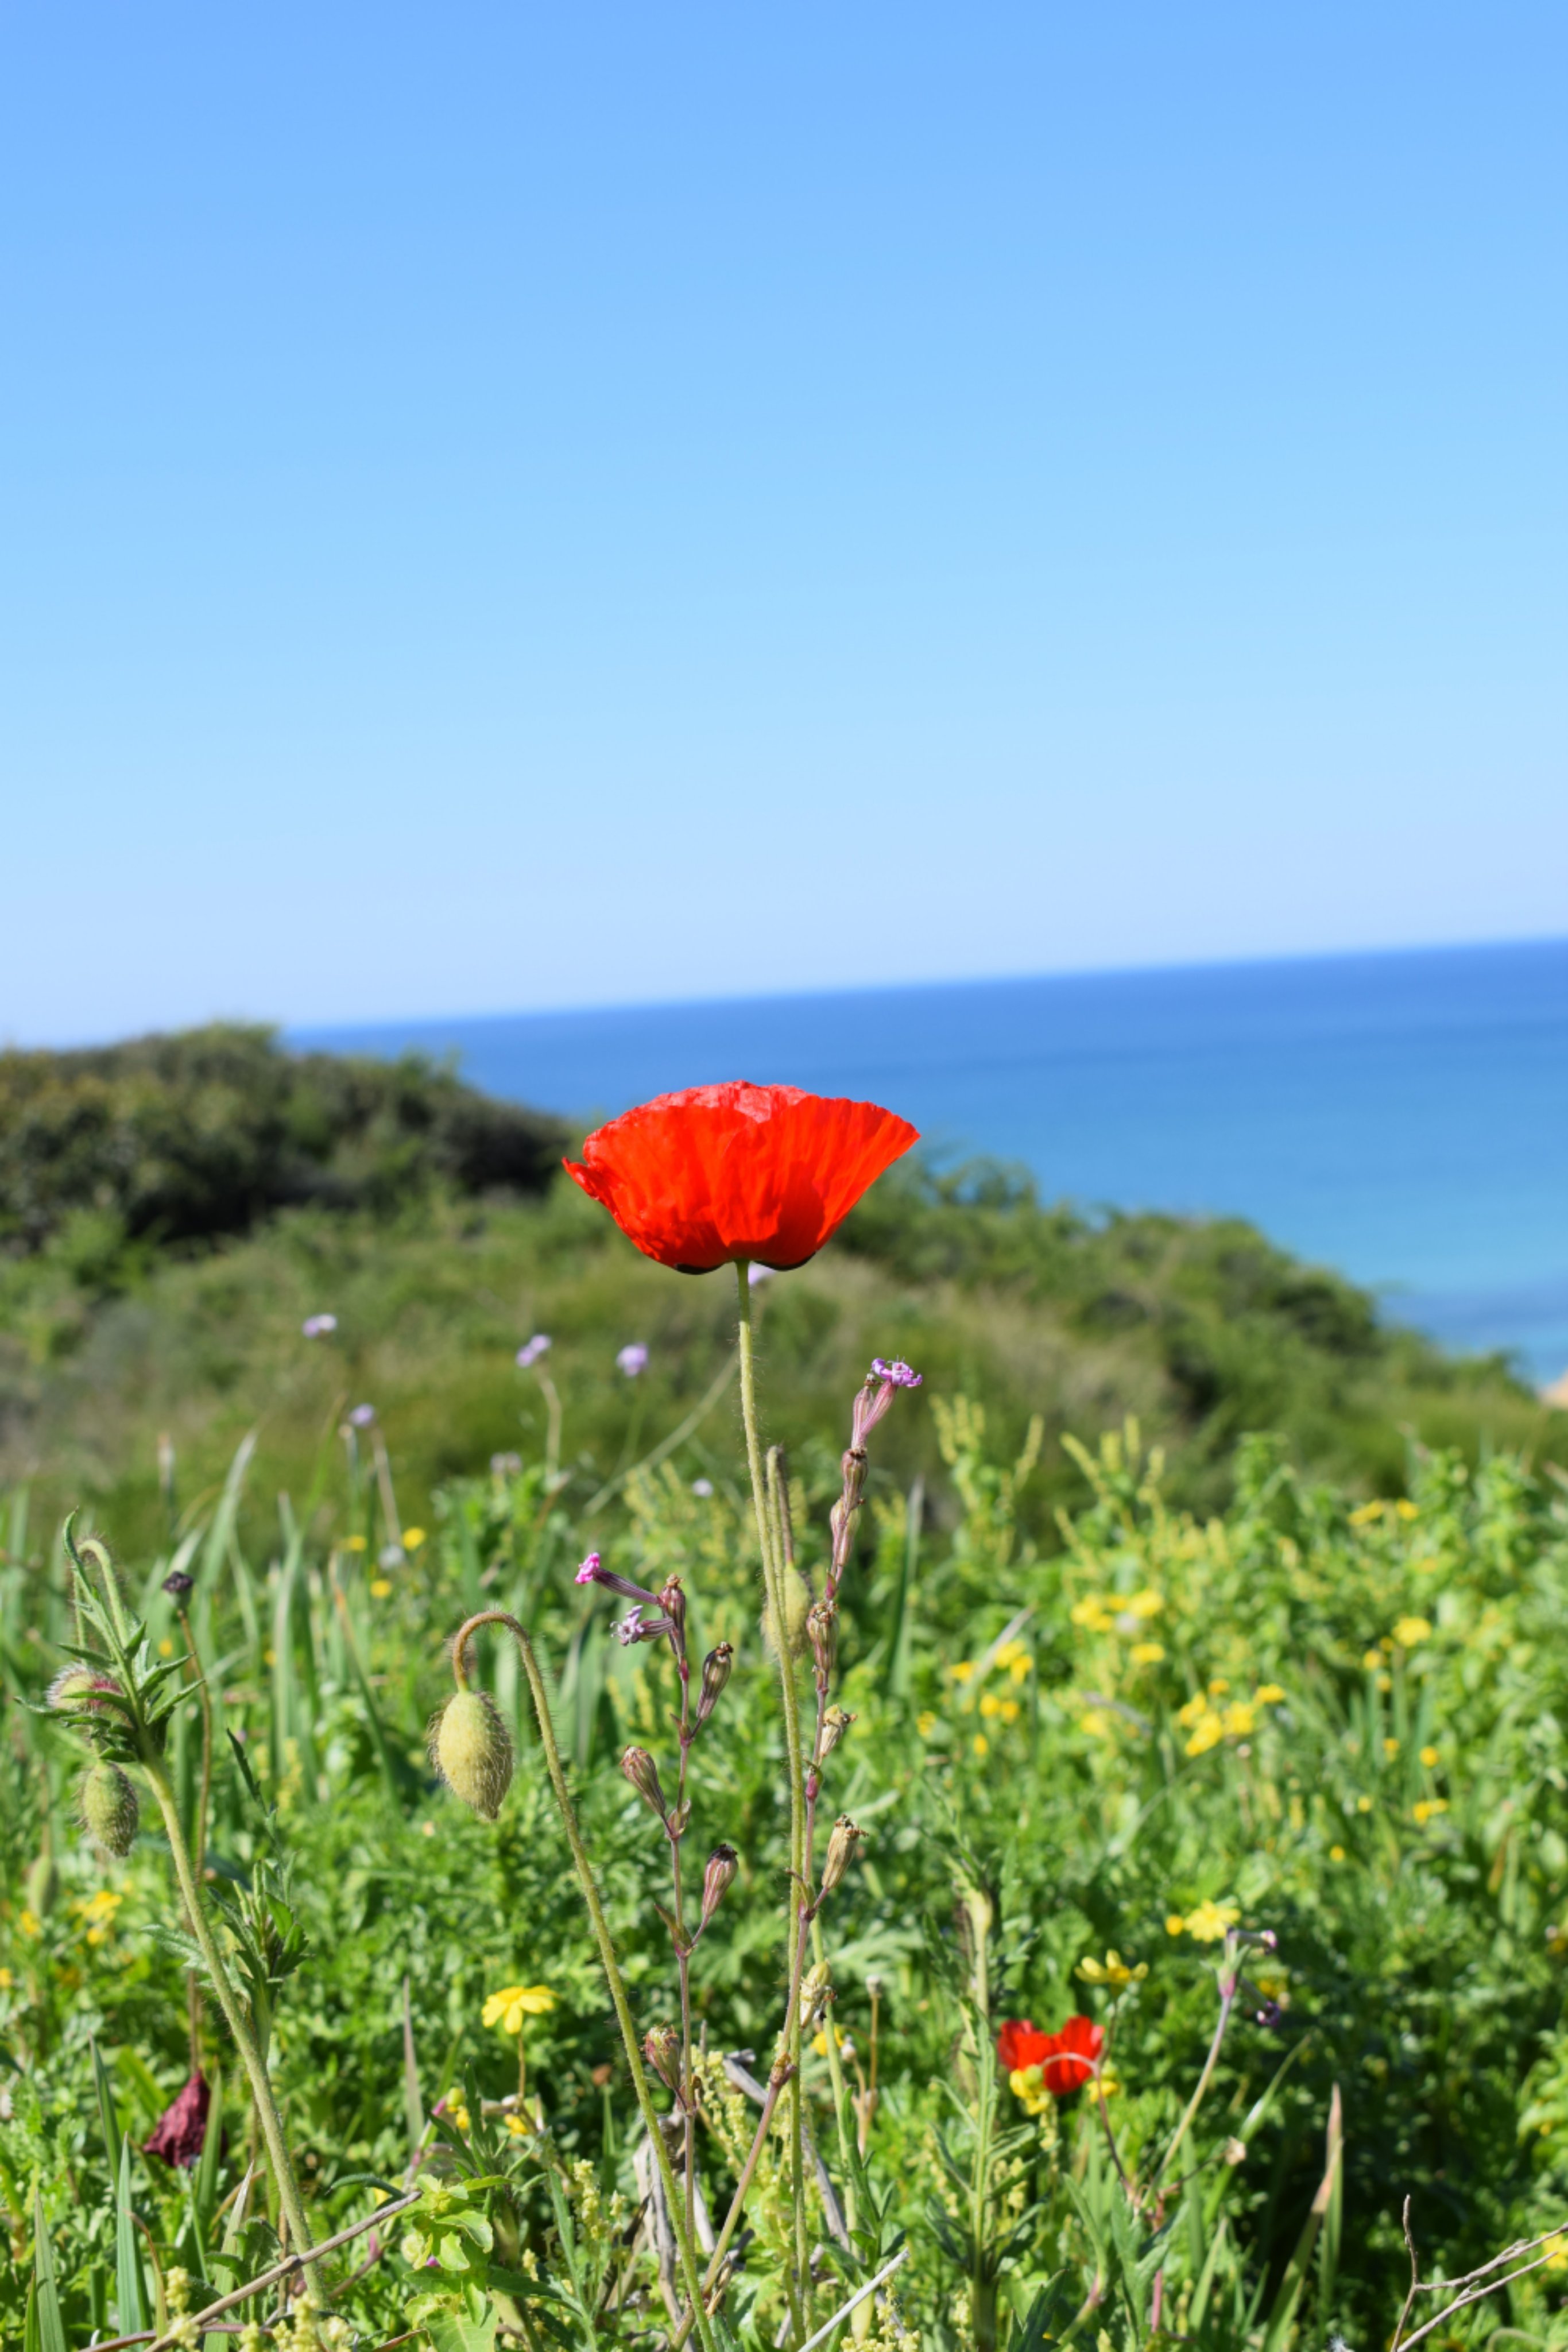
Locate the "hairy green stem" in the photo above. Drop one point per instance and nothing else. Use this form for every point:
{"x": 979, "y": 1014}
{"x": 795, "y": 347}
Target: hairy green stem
{"x": 608, "y": 1960}
{"x": 1227, "y": 1988}
{"x": 234, "y": 2012}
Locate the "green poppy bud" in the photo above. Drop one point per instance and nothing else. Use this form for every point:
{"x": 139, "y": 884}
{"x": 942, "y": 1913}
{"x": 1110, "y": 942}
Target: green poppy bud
{"x": 76, "y": 1690}
{"x": 110, "y": 1811}
{"x": 471, "y": 1748}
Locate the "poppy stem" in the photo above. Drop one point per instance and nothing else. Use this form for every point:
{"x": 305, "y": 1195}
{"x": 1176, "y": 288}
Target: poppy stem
{"x": 773, "y": 1585}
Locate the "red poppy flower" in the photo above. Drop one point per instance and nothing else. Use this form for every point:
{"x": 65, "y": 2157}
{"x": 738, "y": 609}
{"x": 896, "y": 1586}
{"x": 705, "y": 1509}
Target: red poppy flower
{"x": 180, "y": 2130}
{"x": 1066, "y": 2060}
{"x": 721, "y": 1174}
{"x": 1019, "y": 2043}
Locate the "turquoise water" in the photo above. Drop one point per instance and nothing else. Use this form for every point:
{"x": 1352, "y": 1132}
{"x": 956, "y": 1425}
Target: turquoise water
{"x": 1402, "y": 1117}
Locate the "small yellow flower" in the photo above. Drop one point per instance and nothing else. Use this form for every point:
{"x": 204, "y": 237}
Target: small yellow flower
{"x": 1194, "y": 1711}
{"x": 354, "y": 1543}
{"x": 1016, "y": 1659}
{"x": 165, "y": 1647}
{"x": 1009, "y": 1710}
{"x": 1391, "y": 1747}
{"x": 1174, "y": 1924}
{"x": 1365, "y": 1515}
{"x": 1218, "y": 1687}
{"x": 1097, "y": 1723}
{"x": 1267, "y": 1695}
{"x": 457, "y": 2110}
{"x": 1556, "y": 2249}
{"x": 99, "y": 1908}
{"x": 508, "y": 2006}
{"x": 1091, "y": 1612}
{"x": 981, "y": 1745}
{"x": 6, "y": 1979}
{"x": 1239, "y": 1719}
{"x": 30, "y": 1924}
{"x": 1104, "y": 2086}
{"x": 379, "y": 1586}
{"x": 1406, "y": 1508}
{"x": 519, "y": 2126}
{"x": 1336, "y": 1853}
{"x": 926, "y": 1724}
{"x": 1208, "y": 1732}
{"x": 413, "y": 1538}
{"x": 991, "y": 1703}
{"x": 1363, "y": 1804}
{"x": 1412, "y": 1630}
{"x": 1112, "y": 1970}
{"x": 840, "y": 2041}
{"x": 1428, "y": 1806}
{"x": 1148, "y": 1653}
{"x": 963, "y": 1670}
{"x": 1429, "y": 1757}
{"x": 1372, "y": 1660}
{"x": 1211, "y": 1920}
{"x": 1027, "y": 2083}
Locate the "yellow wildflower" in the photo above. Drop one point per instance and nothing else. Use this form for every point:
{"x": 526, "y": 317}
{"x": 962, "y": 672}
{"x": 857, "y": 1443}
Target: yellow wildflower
{"x": 1148, "y": 1653}
{"x": 1239, "y": 1719}
{"x": 1010, "y": 1710}
{"x": 1208, "y": 1732}
{"x": 354, "y": 1543}
{"x": 1211, "y": 1920}
{"x": 963, "y": 1670}
{"x": 1267, "y": 1695}
{"x": 379, "y": 1586}
{"x": 1429, "y": 1757}
{"x": 1097, "y": 1723}
{"x": 1195, "y": 1709}
{"x": 1174, "y": 1924}
{"x": 991, "y": 1703}
{"x": 1556, "y": 2249}
{"x": 1372, "y": 1660}
{"x": 1218, "y": 1687}
{"x": 508, "y": 2006}
{"x": 1112, "y": 1970}
{"x": 1092, "y": 1614}
{"x": 981, "y": 1745}
{"x": 1363, "y": 1804}
{"x": 1412, "y": 1630}
{"x": 413, "y": 1538}
{"x": 165, "y": 1647}
{"x": 456, "y": 2111}
{"x": 30, "y": 1924}
{"x": 926, "y": 1723}
{"x": 1406, "y": 1508}
{"x": 1336, "y": 1853}
{"x": 840, "y": 2041}
{"x": 99, "y": 1908}
{"x": 1365, "y": 1515}
{"x": 1428, "y": 1806}
{"x": 1391, "y": 1747}
{"x": 518, "y": 2126}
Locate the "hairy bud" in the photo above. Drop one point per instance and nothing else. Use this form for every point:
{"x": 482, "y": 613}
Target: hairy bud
{"x": 841, "y": 1845}
{"x": 722, "y": 1864}
{"x": 176, "y": 1584}
{"x": 835, "y": 1723}
{"x": 715, "y": 1673}
{"x": 822, "y": 1632}
{"x": 471, "y": 1748}
{"x": 662, "y": 2049}
{"x": 643, "y": 1774}
{"x": 816, "y": 1993}
{"x": 75, "y": 1691}
{"x": 111, "y": 1811}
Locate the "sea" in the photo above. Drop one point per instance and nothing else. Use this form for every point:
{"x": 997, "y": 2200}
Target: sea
{"x": 1400, "y": 1117}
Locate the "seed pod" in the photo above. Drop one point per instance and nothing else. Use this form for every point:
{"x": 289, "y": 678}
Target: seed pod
{"x": 715, "y": 1673}
{"x": 835, "y": 1723}
{"x": 110, "y": 1810}
{"x": 75, "y": 1691}
{"x": 643, "y": 1774}
{"x": 662, "y": 2049}
{"x": 816, "y": 1994}
{"x": 471, "y": 1748}
{"x": 841, "y": 1845}
{"x": 722, "y": 1864}
{"x": 822, "y": 1632}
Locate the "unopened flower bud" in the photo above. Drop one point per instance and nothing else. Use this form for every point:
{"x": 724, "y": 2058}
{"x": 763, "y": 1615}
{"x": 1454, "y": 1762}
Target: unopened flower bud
{"x": 822, "y": 1632}
{"x": 835, "y": 1723}
{"x": 715, "y": 1673}
{"x": 662, "y": 2049}
{"x": 176, "y": 1584}
{"x": 676, "y": 1820}
{"x": 110, "y": 1809}
{"x": 816, "y": 1993}
{"x": 841, "y": 1845}
{"x": 471, "y": 1748}
{"x": 643, "y": 1774}
{"x": 75, "y": 1691}
{"x": 722, "y": 1864}
{"x": 672, "y": 1602}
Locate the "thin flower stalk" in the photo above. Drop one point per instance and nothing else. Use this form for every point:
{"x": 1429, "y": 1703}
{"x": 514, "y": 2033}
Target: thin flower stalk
{"x": 610, "y": 1965}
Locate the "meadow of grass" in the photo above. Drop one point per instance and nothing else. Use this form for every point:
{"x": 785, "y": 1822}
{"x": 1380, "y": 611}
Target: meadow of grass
{"x": 1177, "y": 1728}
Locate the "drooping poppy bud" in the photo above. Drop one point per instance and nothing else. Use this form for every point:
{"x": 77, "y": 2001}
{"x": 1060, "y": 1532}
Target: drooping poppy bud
{"x": 643, "y": 1774}
{"x": 180, "y": 2130}
{"x": 471, "y": 1748}
{"x": 715, "y": 1673}
{"x": 841, "y": 1845}
{"x": 722, "y": 1864}
{"x": 110, "y": 1811}
{"x": 76, "y": 1691}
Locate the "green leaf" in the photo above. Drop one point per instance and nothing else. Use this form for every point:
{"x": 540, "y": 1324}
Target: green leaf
{"x": 206, "y": 2185}
{"x": 51, "y": 2334}
{"x": 106, "y": 2113}
{"x": 130, "y": 2285}
{"x": 453, "y": 2331}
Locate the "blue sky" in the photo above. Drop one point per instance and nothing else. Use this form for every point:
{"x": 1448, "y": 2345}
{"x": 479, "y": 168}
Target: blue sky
{"x": 509, "y": 507}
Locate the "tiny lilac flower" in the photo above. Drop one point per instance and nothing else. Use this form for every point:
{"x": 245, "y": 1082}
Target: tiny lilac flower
{"x": 756, "y": 1272}
{"x": 1270, "y": 2014}
{"x": 589, "y": 1573}
{"x": 316, "y": 1326}
{"x": 899, "y": 1374}
{"x": 363, "y": 1415}
{"x": 633, "y": 1359}
{"x": 529, "y": 1355}
{"x": 506, "y": 1465}
{"x": 703, "y": 1487}
{"x": 877, "y": 1395}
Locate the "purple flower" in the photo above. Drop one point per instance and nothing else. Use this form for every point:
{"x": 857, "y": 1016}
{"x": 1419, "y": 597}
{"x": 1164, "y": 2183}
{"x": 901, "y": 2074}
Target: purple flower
{"x": 756, "y": 1271}
{"x": 703, "y": 1487}
{"x": 363, "y": 1415}
{"x": 529, "y": 1356}
{"x": 898, "y": 1375}
{"x": 589, "y": 1573}
{"x": 633, "y": 1359}
{"x": 875, "y": 1397}
{"x": 316, "y": 1326}
{"x": 635, "y": 1627}
{"x": 181, "y": 2130}
{"x": 177, "y": 1583}
{"x": 1270, "y": 2014}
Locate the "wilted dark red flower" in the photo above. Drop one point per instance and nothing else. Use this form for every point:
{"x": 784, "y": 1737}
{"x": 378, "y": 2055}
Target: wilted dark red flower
{"x": 723, "y": 1174}
{"x": 1066, "y": 2060}
{"x": 182, "y": 2129}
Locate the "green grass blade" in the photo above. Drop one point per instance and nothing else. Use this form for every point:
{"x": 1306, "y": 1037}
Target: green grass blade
{"x": 129, "y": 2286}
{"x": 206, "y": 2184}
{"x": 1333, "y": 2216}
{"x": 107, "y": 2117}
{"x": 47, "y": 2320}
{"x": 412, "y": 2106}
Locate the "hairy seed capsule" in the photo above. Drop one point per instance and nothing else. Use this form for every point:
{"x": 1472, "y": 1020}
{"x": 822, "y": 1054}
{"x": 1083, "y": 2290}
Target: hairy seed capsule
{"x": 841, "y": 1845}
{"x": 835, "y": 1723}
{"x": 662, "y": 2049}
{"x": 471, "y": 1748}
{"x": 715, "y": 1673}
{"x": 643, "y": 1774}
{"x": 110, "y": 1810}
{"x": 722, "y": 1864}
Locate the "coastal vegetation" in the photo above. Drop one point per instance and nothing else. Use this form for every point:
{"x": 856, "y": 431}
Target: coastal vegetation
{"x": 1190, "y": 1685}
